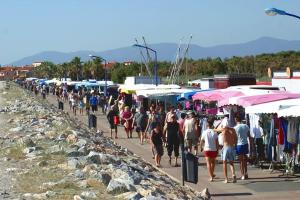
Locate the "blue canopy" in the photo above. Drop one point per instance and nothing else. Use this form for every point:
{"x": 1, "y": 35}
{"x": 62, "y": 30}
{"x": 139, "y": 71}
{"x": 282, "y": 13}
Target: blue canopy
{"x": 188, "y": 95}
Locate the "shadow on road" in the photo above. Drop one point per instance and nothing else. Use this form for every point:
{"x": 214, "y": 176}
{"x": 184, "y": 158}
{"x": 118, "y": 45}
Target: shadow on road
{"x": 232, "y": 194}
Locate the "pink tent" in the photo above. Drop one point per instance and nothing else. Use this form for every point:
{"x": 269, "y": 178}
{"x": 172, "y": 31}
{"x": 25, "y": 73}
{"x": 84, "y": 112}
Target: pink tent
{"x": 265, "y": 98}
{"x": 232, "y": 100}
{"x": 216, "y": 95}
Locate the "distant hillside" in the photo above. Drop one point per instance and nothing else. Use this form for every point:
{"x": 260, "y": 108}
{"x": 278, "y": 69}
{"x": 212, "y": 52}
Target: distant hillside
{"x": 167, "y": 51}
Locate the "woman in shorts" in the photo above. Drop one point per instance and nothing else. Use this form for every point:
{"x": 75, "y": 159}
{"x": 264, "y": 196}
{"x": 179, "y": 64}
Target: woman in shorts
{"x": 209, "y": 139}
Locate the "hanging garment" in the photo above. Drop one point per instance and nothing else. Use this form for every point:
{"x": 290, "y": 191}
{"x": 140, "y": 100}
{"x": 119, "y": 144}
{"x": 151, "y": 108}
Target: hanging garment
{"x": 280, "y": 133}
{"x": 272, "y": 139}
{"x": 231, "y": 118}
{"x": 203, "y": 123}
{"x": 270, "y": 149}
{"x": 254, "y": 125}
{"x": 287, "y": 145}
{"x": 266, "y": 123}
{"x": 292, "y": 131}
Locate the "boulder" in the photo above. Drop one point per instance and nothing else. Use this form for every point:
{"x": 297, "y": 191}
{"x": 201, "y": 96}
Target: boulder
{"x": 88, "y": 194}
{"x": 130, "y": 196}
{"x": 116, "y": 187}
{"x": 103, "y": 177}
{"x": 74, "y": 154}
{"x": 205, "y": 194}
{"x": 27, "y": 142}
{"x": 79, "y": 174}
{"x": 71, "y": 139}
{"x": 100, "y": 158}
{"x": 56, "y": 149}
{"x": 73, "y": 163}
{"x": 17, "y": 129}
{"x": 81, "y": 143}
{"x": 77, "y": 197}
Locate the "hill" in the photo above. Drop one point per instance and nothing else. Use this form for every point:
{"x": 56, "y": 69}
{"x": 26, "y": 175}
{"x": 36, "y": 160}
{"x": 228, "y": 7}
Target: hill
{"x": 167, "y": 51}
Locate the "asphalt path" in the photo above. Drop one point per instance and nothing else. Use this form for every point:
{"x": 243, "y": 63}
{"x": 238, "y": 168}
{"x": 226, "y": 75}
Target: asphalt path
{"x": 262, "y": 184}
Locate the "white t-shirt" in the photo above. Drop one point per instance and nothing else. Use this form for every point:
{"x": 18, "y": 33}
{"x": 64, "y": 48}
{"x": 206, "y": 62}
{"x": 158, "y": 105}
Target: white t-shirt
{"x": 189, "y": 128}
{"x": 225, "y": 122}
{"x": 209, "y": 137}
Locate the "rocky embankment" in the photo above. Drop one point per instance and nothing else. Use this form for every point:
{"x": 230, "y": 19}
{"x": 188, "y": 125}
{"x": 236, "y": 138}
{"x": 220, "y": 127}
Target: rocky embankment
{"x": 50, "y": 155}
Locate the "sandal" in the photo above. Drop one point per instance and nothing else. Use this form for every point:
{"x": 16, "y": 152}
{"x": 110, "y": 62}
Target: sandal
{"x": 225, "y": 181}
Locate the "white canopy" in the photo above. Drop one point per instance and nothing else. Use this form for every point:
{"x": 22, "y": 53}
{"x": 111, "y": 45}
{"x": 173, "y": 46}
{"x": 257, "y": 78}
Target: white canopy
{"x": 273, "y": 107}
{"x": 161, "y": 92}
{"x": 289, "y": 111}
{"x": 137, "y": 87}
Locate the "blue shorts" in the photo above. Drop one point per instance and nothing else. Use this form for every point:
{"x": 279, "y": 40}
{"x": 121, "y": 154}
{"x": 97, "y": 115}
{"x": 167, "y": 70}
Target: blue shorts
{"x": 228, "y": 153}
{"x": 242, "y": 149}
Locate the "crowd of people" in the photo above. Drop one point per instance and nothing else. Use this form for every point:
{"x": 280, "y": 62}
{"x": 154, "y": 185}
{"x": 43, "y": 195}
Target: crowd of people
{"x": 169, "y": 130}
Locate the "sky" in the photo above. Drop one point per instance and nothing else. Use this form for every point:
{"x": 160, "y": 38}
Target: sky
{"x": 28, "y": 27}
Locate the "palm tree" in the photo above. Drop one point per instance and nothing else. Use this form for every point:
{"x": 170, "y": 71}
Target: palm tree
{"x": 97, "y": 68}
{"x": 87, "y": 69}
{"x": 77, "y": 67}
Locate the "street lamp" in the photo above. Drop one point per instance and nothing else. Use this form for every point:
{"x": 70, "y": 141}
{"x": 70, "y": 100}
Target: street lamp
{"x": 155, "y": 64}
{"x": 275, "y": 11}
{"x": 105, "y": 72}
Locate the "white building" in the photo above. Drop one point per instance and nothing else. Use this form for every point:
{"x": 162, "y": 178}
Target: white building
{"x": 36, "y": 64}
{"x": 288, "y": 79}
{"x": 133, "y": 80}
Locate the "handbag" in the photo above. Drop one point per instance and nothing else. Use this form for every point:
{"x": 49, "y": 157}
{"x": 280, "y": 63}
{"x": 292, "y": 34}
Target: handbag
{"x": 116, "y": 120}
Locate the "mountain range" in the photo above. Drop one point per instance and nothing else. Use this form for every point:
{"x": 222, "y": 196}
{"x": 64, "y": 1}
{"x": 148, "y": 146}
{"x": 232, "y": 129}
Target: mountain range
{"x": 167, "y": 51}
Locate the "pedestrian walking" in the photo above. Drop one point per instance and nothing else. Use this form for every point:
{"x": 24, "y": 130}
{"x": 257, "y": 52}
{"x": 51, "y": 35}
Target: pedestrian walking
{"x": 181, "y": 129}
{"x": 141, "y": 120}
{"x": 209, "y": 143}
{"x": 189, "y": 128}
{"x": 127, "y": 116}
{"x": 74, "y": 103}
{"x": 242, "y": 148}
{"x": 171, "y": 135}
{"x": 229, "y": 139}
{"x": 44, "y": 93}
{"x": 70, "y": 96}
{"x": 81, "y": 104}
{"x": 157, "y": 144}
{"x": 102, "y": 103}
{"x": 112, "y": 117}
{"x": 93, "y": 102}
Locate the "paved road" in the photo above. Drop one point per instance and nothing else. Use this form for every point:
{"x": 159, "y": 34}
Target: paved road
{"x": 261, "y": 185}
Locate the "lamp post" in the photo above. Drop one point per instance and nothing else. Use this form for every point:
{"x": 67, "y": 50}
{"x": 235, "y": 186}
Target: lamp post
{"x": 155, "y": 64}
{"x": 105, "y": 72}
{"x": 275, "y": 11}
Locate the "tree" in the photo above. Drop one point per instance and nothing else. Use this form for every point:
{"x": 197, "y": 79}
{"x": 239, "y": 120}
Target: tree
{"x": 76, "y": 66}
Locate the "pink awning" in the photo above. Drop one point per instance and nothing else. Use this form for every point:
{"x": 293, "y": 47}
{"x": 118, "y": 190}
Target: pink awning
{"x": 265, "y": 98}
{"x": 216, "y": 95}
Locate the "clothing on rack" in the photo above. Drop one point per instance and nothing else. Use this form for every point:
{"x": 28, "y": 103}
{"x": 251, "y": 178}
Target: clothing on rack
{"x": 293, "y": 130}
{"x": 287, "y": 145}
{"x": 254, "y": 125}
